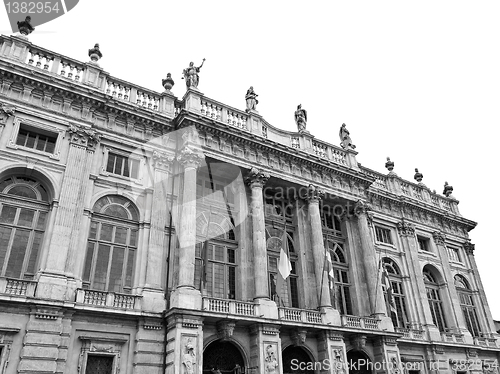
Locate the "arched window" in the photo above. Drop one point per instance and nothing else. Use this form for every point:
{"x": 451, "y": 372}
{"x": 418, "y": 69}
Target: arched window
{"x": 24, "y": 208}
{"x": 340, "y": 294}
{"x": 216, "y": 263}
{"x": 111, "y": 245}
{"x": 288, "y": 296}
{"x": 393, "y": 293}
{"x": 467, "y": 305}
{"x": 434, "y": 299}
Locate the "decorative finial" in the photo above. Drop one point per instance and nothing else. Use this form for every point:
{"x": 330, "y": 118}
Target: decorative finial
{"x": 389, "y": 165}
{"x": 25, "y": 27}
{"x": 345, "y": 139}
{"x": 168, "y": 82}
{"x": 418, "y": 176}
{"x": 447, "y": 189}
{"x": 95, "y": 54}
{"x": 251, "y": 99}
{"x": 301, "y": 118}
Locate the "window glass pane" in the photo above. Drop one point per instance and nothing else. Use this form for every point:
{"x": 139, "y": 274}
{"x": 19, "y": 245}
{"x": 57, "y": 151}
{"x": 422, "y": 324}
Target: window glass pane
{"x": 118, "y": 165}
{"x": 23, "y": 191}
{"x": 35, "y": 248}
{"x": 115, "y": 210}
{"x": 130, "y": 268}
{"x": 231, "y": 256}
{"x": 40, "y": 144}
{"x": 115, "y": 273}
{"x": 8, "y": 214}
{"x": 101, "y": 267}
{"x": 218, "y": 276}
{"x": 133, "y": 238}
{"x": 42, "y": 217}
{"x": 5, "y": 233}
{"x": 17, "y": 253}
{"x": 51, "y": 145}
{"x": 106, "y": 232}
{"x": 232, "y": 282}
{"x": 26, "y": 217}
{"x": 273, "y": 264}
{"x": 93, "y": 230}
{"x": 30, "y": 141}
{"x": 219, "y": 253}
{"x": 99, "y": 364}
{"x": 126, "y": 170}
{"x": 294, "y": 292}
{"x": 110, "y": 167}
{"x": 21, "y": 138}
{"x": 121, "y": 235}
{"x": 88, "y": 262}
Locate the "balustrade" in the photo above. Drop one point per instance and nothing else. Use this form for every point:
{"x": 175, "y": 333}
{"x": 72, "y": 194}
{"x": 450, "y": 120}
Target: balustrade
{"x": 320, "y": 150}
{"x": 108, "y": 299}
{"x": 228, "y": 306}
{"x": 118, "y": 90}
{"x": 339, "y": 157}
{"x": 17, "y": 287}
{"x": 40, "y": 60}
{"x": 300, "y": 315}
{"x": 148, "y": 100}
{"x": 367, "y": 323}
{"x": 410, "y": 333}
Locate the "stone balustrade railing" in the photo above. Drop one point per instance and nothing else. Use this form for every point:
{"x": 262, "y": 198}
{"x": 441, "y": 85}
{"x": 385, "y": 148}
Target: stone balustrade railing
{"x": 367, "y": 323}
{"x": 226, "y": 306}
{"x": 415, "y": 334}
{"x": 300, "y": 315}
{"x": 485, "y": 340}
{"x": 108, "y": 299}
{"x": 17, "y": 287}
{"x": 451, "y": 337}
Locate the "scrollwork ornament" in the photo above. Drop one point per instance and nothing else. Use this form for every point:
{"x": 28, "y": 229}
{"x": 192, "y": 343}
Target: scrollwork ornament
{"x": 83, "y": 137}
{"x": 314, "y": 194}
{"x": 162, "y": 160}
{"x": 190, "y": 157}
{"x": 405, "y": 228}
{"x": 255, "y": 177}
{"x": 6, "y": 111}
{"x": 439, "y": 237}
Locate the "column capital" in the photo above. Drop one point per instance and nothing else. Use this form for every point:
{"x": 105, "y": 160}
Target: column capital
{"x": 439, "y": 237}
{"x": 257, "y": 178}
{"x": 405, "y": 228}
{"x": 469, "y": 248}
{"x": 361, "y": 208}
{"x": 84, "y": 137}
{"x": 190, "y": 157}
{"x": 314, "y": 194}
{"x": 6, "y": 111}
{"x": 162, "y": 160}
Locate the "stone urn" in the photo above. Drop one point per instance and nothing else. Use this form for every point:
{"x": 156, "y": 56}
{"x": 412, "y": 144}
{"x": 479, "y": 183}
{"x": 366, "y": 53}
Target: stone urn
{"x": 168, "y": 82}
{"x": 418, "y": 176}
{"x": 447, "y": 189}
{"x": 95, "y": 54}
{"x": 25, "y": 27}
{"x": 389, "y": 164}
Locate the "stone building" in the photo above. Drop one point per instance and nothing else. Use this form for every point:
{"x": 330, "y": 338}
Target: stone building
{"x": 143, "y": 233}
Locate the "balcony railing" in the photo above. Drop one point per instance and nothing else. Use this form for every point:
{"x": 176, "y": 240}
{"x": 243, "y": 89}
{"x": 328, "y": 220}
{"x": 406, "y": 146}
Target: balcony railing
{"x": 367, "y": 323}
{"x": 17, "y": 287}
{"x": 300, "y": 315}
{"x": 485, "y": 342}
{"x": 451, "y": 337}
{"x": 414, "y": 334}
{"x": 241, "y": 308}
{"x": 108, "y": 299}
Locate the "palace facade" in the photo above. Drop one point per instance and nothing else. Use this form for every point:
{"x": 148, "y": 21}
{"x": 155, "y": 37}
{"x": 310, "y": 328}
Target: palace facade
{"x": 143, "y": 233}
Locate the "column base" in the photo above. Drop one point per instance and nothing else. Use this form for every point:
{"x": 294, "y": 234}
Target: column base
{"x": 266, "y": 308}
{"x": 153, "y": 300}
{"x": 385, "y": 322}
{"x": 55, "y": 286}
{"x": 331, "y": 316}
{"x": 186, "y": 298}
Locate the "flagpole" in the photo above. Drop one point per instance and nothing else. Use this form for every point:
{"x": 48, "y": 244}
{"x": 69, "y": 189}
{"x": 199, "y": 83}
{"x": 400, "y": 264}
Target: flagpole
{"x": 322, "y": 276}
{"x": 285, "y": 238}
{"x": 203, "y": 278}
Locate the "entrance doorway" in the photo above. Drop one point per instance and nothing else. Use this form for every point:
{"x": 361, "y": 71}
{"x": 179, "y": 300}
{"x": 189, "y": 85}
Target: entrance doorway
{"x": 223, "y": 356}
{"x": 358, "y": 363}
{"x": 296, "y": 360}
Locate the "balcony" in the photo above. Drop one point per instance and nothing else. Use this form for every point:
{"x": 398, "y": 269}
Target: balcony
{"x": 414, "y": 334}
{"x": 366, "y": 323}
{"x": 451, "y": 337}
{"x": 300, "y": 315}
{"x": 108, "y": 299}
{"x": 240, "y": 308}
{"x": 17, "y": 287}
{"x": 485, "y": 341}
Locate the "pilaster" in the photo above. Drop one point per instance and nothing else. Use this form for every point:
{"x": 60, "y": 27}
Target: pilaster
{"x": 386, "y": 351}
{"x": 149, "y": 347}
{"x": 184, "y": 344}
{"x": 265, "y": 349}
{"x": 332, "y": 350}
{"x": 192, "y": 100}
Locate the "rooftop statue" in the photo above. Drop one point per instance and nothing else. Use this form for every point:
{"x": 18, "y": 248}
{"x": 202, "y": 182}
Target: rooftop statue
{"x": 345, "y": 139}
{"x": 25, "y": 27}
{"x": 251, "y": 98}
{"x": 191, "y": 75}
{"x": 301, "y": 118}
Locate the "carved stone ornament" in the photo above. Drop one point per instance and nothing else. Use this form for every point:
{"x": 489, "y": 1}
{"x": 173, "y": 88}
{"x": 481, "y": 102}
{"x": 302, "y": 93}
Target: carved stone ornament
{"x": 162, "y": 160}
{"x": 405, "y": 228}
{"x": 190, "y": 157}
{"x": 84, "y": 137}
{"x": 271, "y": 361}
{"x": 168, "y": 82}
{"x": 358, "y": 342}
{"x": 298, "y": 337}
{"x": 6, "y": 111}
{"x": 361, "y": 207}
{"x": 225, "y": 329}
{"x": 314, "y": 194}
{"x": 469, "y": 247}
{"x": 439, "y": 237}
{"x": 189, "y": 357}
{"x": 339, "y": 364}
{"x": 389, "y": 165}
{"x": 418, "y": 176}
{"x": 447, "y": 190}
{"x": 255, "y": 177}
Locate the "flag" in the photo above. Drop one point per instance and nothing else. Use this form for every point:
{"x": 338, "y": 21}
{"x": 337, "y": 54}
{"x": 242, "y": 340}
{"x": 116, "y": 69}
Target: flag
{"x": 391, "y": 302}
{"x": 284, "y": 267}
{"x": 331, "y": 273}
{"x": 205, "y": 250}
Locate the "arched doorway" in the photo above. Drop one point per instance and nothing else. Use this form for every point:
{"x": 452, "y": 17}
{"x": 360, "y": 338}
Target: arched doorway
{"x": 224, "y": 356}
{"x": 358, "y": 363}
{"x": 296, "y": 360}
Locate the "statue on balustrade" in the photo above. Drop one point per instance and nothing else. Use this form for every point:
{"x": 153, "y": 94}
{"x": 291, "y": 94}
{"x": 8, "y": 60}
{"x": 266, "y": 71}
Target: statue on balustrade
{"x": 191, "y": 75}
{"x": 25, "y": 27}
{"x": 301, "y": 118}
{"x": 345, "y": 139}
{"x": 251, "y": 98}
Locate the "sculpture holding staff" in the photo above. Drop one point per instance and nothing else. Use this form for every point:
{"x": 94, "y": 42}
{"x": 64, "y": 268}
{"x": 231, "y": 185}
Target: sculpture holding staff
{"x": 301, "y": 118}
{"x": 191, "y": 75}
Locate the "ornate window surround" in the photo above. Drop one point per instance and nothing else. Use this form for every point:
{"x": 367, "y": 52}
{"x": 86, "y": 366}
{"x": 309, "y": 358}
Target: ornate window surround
{"x": 58, "y": 133}
{"x": 142, "y": 164}
{"x": 101, "y": 346}
{"x": 6, "y": 340}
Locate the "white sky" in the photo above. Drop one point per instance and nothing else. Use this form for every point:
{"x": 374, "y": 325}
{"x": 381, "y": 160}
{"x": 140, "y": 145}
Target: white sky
{"x": 416, "y": 81}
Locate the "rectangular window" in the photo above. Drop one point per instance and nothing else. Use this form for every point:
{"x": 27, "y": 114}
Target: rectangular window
{"x": 34, "y": 138}
{"x": 423, "y": 244}
{"x": 383, "y": 235}
{"x": 454, "y": 254}
{"x": 97, "y": 364}
{"x": 122, "y": 165}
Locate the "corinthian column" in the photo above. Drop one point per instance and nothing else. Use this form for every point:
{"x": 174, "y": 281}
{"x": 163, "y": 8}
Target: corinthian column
{"x": 61, "y": 257}
{"x": 314, "y": 195}
{"x": 370, "y": 265}
{"x": 190, "y": 159}
{"x": 256, "y": 180}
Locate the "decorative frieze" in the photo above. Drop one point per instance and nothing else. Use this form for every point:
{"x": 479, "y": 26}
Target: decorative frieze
{"x": 256, "y": 177}
{"x": 84, "y": 137}
{"x": 405, "y": 228}
{"x": 439, "y": 237}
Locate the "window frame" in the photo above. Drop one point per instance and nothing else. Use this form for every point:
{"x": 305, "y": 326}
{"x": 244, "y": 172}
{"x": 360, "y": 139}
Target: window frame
{"x": 97, "y": 345}
{"x": 58, "y": 133}
{"x": 434, "y": 288}
{"x": 6, "y": 341}
{"x": 342, "y": 290}
{"x": 126, "y": 154}
{"x": 454, "y": 254}
{"x": 398, "y": 292}
{"x": 469, "y": 310}
{"x": 427, "y": 242}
